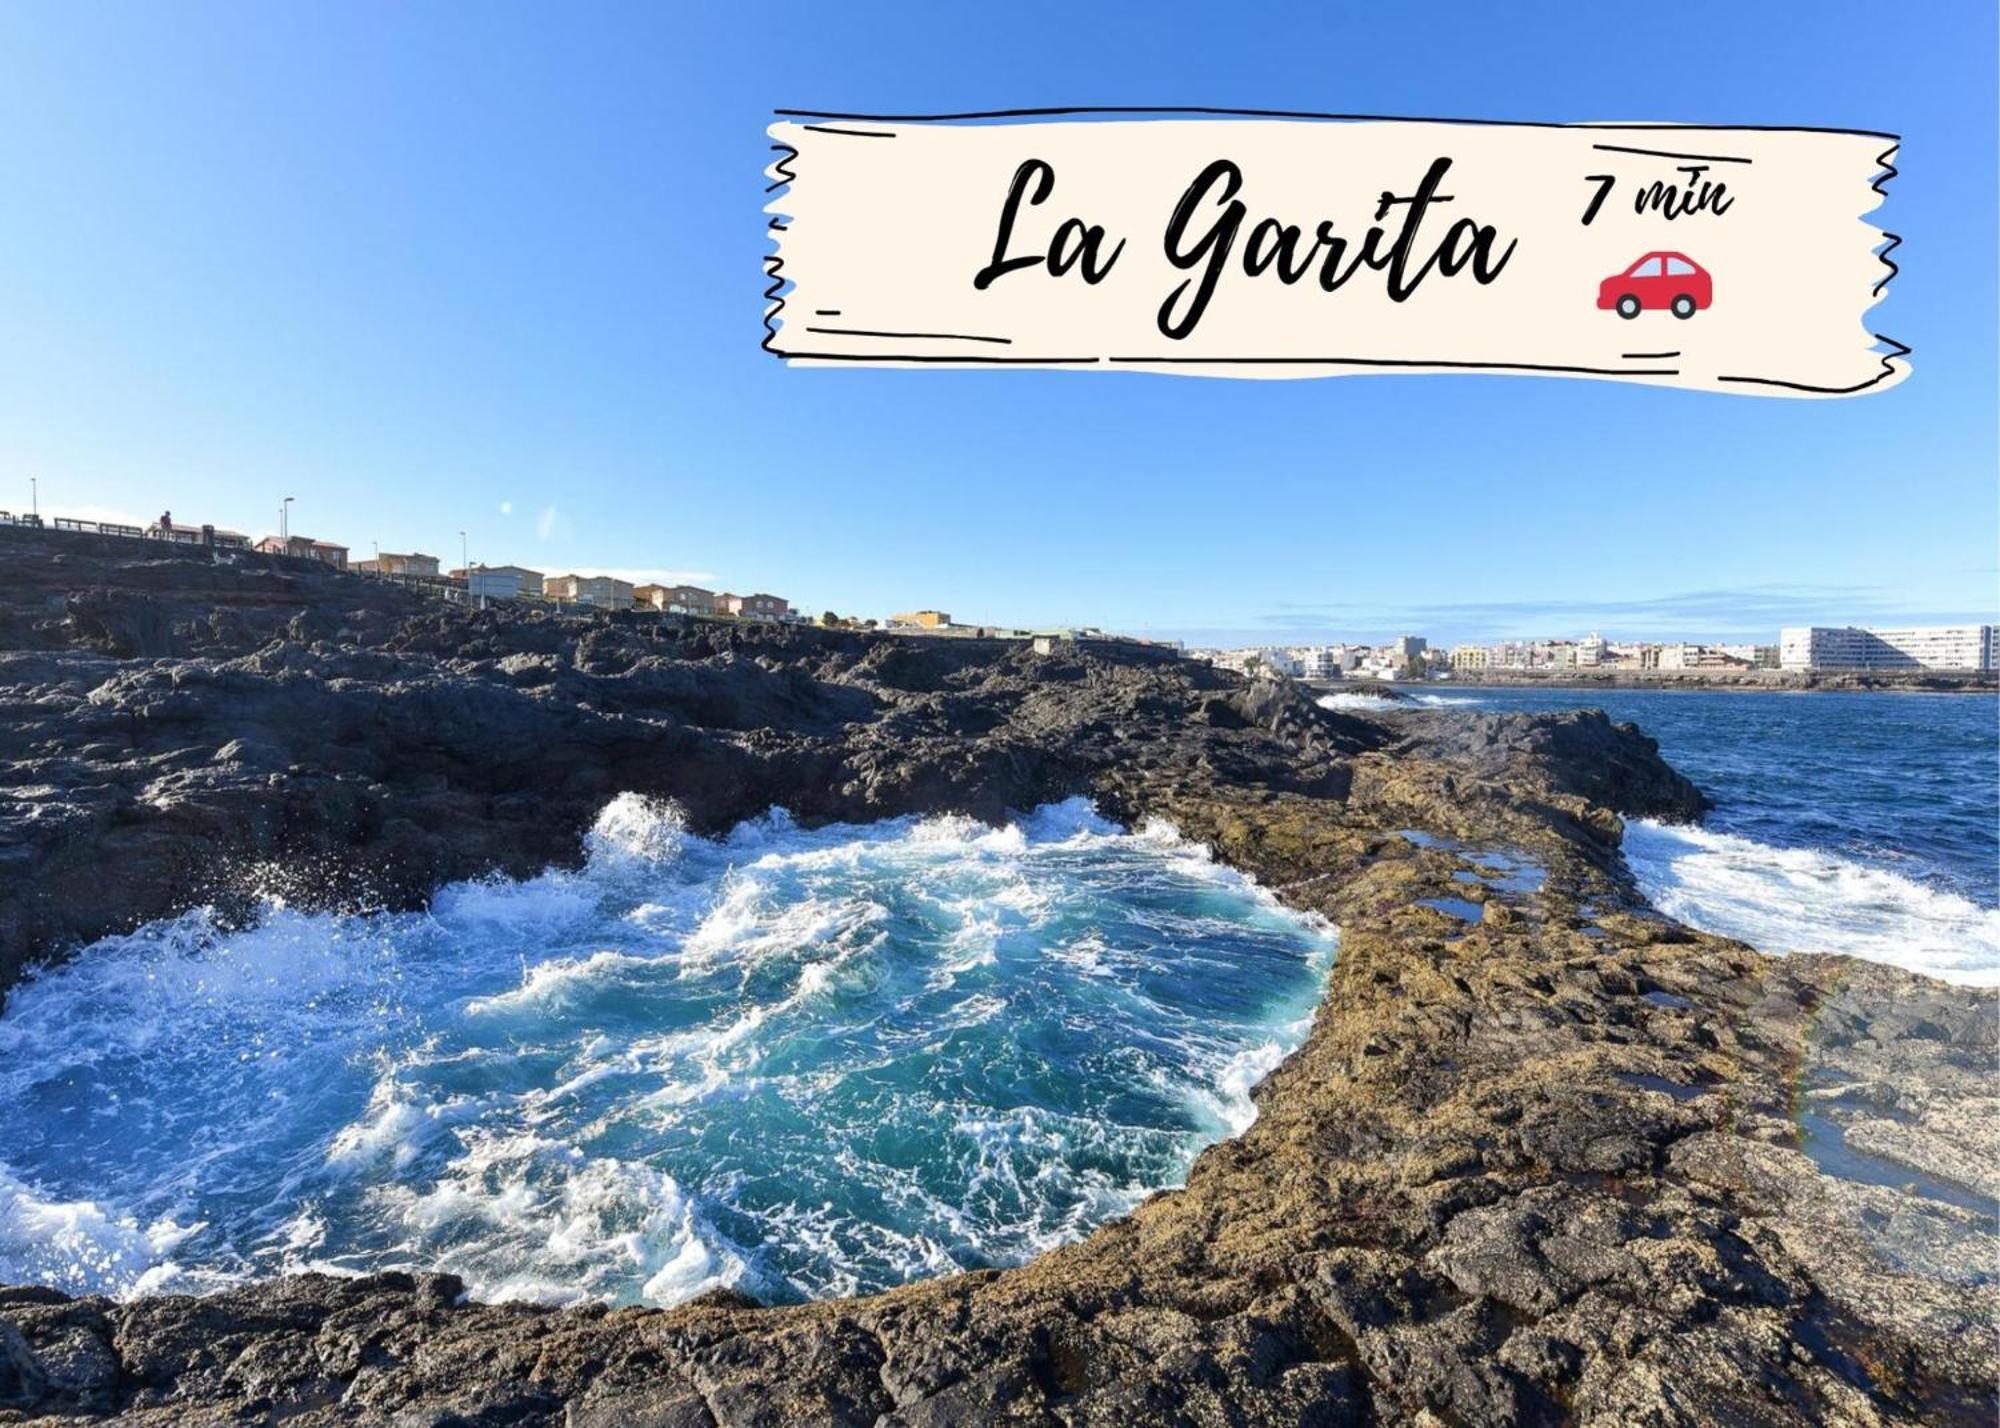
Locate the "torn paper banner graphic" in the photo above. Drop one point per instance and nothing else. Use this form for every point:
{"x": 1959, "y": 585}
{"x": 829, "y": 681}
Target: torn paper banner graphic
{"x": 1733, "y": 259}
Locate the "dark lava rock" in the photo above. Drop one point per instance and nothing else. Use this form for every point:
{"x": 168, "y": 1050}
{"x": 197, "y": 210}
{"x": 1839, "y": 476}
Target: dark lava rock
{"x": 1545, "y": 1167}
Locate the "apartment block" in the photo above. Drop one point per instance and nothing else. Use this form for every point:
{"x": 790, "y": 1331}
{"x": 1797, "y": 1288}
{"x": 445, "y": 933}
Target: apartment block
{"x": 1850, "y": 647}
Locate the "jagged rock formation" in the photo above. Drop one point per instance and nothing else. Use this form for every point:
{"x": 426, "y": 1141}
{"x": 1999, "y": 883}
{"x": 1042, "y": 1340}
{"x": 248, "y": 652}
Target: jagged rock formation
{"x": 1543, "y": 1166}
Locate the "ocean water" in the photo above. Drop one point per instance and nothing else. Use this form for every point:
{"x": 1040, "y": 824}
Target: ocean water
{"x": 1860, "y": 823}
{"x": 803, "y": 1063}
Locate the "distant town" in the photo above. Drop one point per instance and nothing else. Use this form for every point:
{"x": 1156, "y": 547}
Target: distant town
{"x": 473, "y": 582}
{"x": 1803, "y": 648}
{"x": 1405, "y": 658}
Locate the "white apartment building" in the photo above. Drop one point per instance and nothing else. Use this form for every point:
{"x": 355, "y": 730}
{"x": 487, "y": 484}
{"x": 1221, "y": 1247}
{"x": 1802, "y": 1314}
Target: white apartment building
{"x": 1318, "y": 661}
{"x": 1250, "y": 661}
{"x": 1850, "y": 647}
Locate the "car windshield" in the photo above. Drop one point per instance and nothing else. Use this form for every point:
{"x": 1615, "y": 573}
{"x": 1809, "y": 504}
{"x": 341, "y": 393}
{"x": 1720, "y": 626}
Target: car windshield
{"x": 1645, "y": 268}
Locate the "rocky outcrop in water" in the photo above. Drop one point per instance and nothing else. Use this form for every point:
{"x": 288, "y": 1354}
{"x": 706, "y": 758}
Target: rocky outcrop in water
{"x": 1545, "y": 1156}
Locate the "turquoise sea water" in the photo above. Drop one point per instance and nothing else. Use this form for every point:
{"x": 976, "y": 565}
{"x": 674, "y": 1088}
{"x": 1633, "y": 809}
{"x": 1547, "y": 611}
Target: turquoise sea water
{"x": 805, "y": 1063}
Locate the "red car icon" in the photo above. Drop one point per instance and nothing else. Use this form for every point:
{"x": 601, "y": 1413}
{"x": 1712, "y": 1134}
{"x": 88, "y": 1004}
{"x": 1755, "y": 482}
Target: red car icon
{"x": 1670, "y": 281}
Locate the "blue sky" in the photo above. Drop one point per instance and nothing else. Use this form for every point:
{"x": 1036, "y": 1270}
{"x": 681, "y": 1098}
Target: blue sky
{"x": 496, "y": 268}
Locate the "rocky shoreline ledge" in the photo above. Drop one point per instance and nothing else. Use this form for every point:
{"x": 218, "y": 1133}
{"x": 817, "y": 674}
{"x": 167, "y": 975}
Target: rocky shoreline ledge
{"x": 1553, "y": 1159}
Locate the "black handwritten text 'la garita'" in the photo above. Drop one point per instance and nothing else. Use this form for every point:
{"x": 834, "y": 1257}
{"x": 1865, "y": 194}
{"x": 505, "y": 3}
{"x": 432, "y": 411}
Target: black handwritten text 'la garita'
{"x": 1201, "y": 238}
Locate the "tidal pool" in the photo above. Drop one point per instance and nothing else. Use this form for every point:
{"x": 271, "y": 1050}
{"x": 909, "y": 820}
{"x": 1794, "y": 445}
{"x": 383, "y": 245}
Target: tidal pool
{"x": 803, "y": 1063}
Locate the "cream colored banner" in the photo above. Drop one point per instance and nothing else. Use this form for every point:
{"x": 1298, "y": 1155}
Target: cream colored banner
{"x": 1731, "y": 259}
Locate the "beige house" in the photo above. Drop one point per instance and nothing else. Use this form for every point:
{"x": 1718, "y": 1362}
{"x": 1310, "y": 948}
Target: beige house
{"x": 305, "y": 548}
{"x": 390, "y": 564}
{"x": 500, "y": 582}
{"x": 601, "y": 592}
{"x": 920, "y": 620}
{"x": 679, "y": 599}
{"x": 755, "y": 607}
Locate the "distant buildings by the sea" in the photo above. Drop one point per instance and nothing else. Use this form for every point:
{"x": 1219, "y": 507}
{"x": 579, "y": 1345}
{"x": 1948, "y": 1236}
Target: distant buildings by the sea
{"x": 1805, "y": 648}
{"x": 1407, "y": 657}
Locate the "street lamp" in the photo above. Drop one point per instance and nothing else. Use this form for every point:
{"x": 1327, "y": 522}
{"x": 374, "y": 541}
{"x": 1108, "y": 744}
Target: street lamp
{"x": 285, "y": 519}
{"x": 35, "y": 497}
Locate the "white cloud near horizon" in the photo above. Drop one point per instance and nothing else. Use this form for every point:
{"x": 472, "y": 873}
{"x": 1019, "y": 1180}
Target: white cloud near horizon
{"x": 110, "y": 515}
{"x": 643, "y": 575}
{"x": 1746, "y": 612}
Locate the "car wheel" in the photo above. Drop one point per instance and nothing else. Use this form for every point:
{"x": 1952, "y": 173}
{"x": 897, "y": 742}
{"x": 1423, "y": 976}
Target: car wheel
{"x": 1628, "y": 305}
{"x": 1683, "y": 306}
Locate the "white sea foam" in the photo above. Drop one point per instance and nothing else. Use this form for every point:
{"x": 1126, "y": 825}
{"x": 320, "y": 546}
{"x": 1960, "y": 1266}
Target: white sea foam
{"x": 1241, "y": 1074}
{"x": 1806, "y": 900}
{"x": 1348, "y": 701}
{"x": 1353, "y": 701}
{"x": 637, "y": 829}
{"x": 807, "y": 1061}
{"x": 81, "y": 1246}
{"x": 1449, "y": 701}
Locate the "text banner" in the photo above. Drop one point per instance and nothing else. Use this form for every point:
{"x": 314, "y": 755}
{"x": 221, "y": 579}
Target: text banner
{"x": 1734, "y": 259}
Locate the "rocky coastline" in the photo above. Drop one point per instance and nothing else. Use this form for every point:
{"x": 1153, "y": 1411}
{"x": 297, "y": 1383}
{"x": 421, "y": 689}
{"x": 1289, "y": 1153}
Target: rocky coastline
{"x": 1564, "y": 1161}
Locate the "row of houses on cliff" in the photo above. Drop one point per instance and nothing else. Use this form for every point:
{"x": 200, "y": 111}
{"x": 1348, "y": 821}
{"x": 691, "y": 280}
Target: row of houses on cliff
{"x": 477, "y": 582}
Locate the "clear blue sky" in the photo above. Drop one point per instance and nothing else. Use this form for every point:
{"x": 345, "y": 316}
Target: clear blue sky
{"x": 496, "y": 267}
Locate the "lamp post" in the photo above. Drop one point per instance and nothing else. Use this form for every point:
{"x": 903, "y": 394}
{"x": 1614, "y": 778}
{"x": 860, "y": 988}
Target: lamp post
{"x": 35, "y": 497}
{"x": 465, "y": 564}
{"x": 285, "y": 520}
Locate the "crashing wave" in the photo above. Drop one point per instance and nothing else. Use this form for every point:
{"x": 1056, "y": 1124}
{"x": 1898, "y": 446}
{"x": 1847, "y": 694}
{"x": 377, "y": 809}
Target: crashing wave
{"x": 805, "y": 1061}
{"x": 1809, "y": 900}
